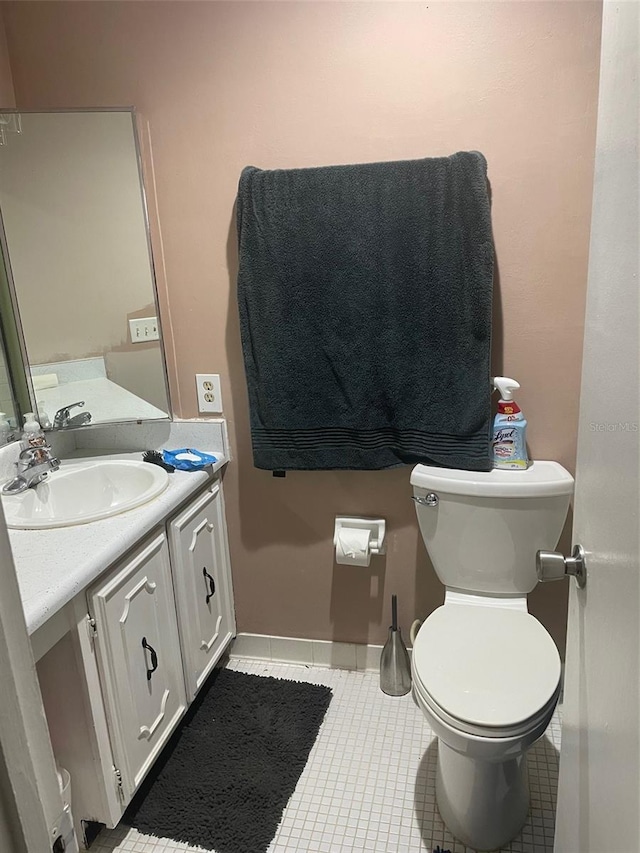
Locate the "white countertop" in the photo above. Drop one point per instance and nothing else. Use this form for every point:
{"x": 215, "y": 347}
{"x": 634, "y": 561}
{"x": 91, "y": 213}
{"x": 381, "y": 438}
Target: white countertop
{"x": 56, "y": 564}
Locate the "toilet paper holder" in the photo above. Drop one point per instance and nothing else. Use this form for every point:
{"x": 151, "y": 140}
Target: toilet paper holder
{"x": 377, "y": 526}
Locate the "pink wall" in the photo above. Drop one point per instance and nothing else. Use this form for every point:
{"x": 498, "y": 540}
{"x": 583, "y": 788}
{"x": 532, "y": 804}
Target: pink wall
{"x": 299, "y": 84}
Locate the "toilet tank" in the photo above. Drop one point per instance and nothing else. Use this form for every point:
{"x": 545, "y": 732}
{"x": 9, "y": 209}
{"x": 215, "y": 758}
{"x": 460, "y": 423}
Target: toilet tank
{"x": 486, "y": 527}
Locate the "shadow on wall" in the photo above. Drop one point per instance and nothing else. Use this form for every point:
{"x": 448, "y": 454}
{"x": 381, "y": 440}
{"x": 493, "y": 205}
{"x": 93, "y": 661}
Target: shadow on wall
{"x": 497, "y": 328}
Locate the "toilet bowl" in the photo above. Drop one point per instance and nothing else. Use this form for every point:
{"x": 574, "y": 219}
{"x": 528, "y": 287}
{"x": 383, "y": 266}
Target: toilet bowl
{"x": 487, "y": 679}
{"x": 486, "y": 674}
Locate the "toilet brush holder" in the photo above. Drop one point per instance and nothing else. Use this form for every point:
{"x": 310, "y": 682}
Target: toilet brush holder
{"x": 395, "y": 669}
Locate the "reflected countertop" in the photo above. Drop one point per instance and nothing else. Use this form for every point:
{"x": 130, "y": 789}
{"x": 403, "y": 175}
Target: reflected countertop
{"x": 54, "y": 565}
{"x": 106, "y": 401}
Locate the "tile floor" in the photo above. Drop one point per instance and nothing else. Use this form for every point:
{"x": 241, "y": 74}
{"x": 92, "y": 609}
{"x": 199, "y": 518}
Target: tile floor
{"x": 369, "y": 784}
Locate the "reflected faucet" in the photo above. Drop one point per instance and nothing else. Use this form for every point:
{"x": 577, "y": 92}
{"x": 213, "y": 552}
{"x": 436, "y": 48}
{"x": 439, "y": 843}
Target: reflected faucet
{"x": 62, "y": 419}
{"x": 33, "y": 465}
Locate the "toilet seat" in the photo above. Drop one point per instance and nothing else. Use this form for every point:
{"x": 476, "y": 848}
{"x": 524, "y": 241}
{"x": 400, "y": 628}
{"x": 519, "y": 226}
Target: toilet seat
{"x": 504, "y": 733}
{"x": 486, "y": 671}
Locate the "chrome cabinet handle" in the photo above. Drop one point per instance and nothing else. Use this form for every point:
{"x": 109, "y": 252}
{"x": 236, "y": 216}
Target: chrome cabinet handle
{"x": 554, "y": 566}
{"x": 430, "y": 499}
{"x": 154, "y": 658}
{"x": 212, "y": 584}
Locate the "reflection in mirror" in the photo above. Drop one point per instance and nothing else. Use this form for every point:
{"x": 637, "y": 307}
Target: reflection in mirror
{"x": 78, "y": 249}
{"x": 14, "y": 391}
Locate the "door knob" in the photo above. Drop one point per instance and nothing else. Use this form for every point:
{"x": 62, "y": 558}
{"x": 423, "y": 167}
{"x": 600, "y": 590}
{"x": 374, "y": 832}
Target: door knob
{"x": 553, "y": 566}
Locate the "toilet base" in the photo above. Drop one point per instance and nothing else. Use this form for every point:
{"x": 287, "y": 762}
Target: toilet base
{"x": 484, "y": 804}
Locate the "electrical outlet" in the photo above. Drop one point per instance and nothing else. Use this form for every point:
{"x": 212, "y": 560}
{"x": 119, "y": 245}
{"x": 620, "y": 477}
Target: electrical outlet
{"x": 209, "y": 394}
{"x": 144, "y": 329}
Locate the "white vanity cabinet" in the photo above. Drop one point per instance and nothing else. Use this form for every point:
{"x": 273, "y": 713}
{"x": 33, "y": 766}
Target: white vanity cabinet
{"x": 119, "y": 665}
{"x": 202, "y": 583}
{"x": 136, "y": 639}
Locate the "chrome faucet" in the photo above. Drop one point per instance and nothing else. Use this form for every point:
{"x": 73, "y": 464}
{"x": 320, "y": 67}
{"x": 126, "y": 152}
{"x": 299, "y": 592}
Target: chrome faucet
{"x": 62, "y": 419}
{"x": 33, "y": 465}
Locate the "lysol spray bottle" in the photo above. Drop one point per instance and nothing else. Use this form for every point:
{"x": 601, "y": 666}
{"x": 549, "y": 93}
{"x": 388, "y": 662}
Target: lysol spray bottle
{"x": 509, "y": 441}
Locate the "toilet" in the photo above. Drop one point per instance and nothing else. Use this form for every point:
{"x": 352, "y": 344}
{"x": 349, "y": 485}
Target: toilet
{"x": 486, "y": 673}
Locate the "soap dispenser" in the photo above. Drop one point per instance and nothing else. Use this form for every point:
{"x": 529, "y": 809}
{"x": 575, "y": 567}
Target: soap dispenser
{"x": 32, "y": 433}
{"x": 509, "y": 439}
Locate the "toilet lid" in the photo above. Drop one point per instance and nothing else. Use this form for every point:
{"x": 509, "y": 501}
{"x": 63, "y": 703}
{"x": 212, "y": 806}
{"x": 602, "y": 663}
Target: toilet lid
{"x": 488, "y": 666}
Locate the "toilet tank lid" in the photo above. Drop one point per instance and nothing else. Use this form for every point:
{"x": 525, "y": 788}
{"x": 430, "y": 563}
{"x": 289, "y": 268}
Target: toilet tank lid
{"x": 540, "y": 479}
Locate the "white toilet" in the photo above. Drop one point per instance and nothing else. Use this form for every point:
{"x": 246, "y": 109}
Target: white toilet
{"x": 485, "y": 672}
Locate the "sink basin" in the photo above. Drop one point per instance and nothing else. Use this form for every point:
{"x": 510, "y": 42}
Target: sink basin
{"x": 80, "y": 493}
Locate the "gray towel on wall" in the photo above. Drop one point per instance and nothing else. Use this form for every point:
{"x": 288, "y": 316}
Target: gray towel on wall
{"x": 365, "y": 309}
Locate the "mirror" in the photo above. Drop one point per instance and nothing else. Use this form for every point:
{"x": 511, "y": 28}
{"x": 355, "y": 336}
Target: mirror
{"x": 77, "y": 250}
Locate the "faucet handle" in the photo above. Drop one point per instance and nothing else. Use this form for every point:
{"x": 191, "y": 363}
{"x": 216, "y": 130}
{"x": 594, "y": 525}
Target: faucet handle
{"x": 32, "y": 453}
{"x": 62, "y": 415}
{"x": 31, "y": 456}
{"x": 65, "y": 409}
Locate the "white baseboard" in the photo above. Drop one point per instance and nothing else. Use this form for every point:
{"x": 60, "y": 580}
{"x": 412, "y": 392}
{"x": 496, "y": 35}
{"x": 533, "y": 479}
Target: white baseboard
{"x": 325, "y": 653}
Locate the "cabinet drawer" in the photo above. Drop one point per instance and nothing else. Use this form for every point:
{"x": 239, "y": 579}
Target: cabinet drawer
{"x": 139, "y": 658}
{"x": 202, "y": 583}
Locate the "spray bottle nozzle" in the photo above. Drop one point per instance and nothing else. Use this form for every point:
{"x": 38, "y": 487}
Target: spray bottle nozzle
{"x": 505, "y": 386}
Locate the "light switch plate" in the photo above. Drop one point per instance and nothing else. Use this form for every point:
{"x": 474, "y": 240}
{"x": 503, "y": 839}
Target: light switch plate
{"x": 209, "y": 394}
{"x": 143, "y": 329}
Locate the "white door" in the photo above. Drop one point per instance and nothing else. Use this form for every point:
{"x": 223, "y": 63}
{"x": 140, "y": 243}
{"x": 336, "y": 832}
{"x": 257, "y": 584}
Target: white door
{"x": 32, "y": 818}
{"x": 599, "y": 795}
{"x": 139, "y": 657}
{"x": 202, "y": 579}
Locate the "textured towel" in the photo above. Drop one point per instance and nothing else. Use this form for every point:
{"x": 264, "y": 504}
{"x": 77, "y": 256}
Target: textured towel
{"x": 365, "y": 310}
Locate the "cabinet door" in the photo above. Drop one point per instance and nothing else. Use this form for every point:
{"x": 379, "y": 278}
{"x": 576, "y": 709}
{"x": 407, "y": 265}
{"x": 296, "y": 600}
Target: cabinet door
{"x": 139, "y": 658}
{"x": 202, "y": 581}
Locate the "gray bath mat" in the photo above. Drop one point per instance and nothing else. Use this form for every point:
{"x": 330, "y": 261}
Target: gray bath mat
{"x": 225, "y": 778}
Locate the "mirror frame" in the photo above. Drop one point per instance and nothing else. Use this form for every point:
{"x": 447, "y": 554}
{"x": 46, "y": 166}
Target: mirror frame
{"x": 13, "y": 339}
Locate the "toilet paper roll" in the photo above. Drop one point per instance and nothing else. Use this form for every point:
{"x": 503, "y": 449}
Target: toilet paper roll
{"x": 352, "y": 547}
